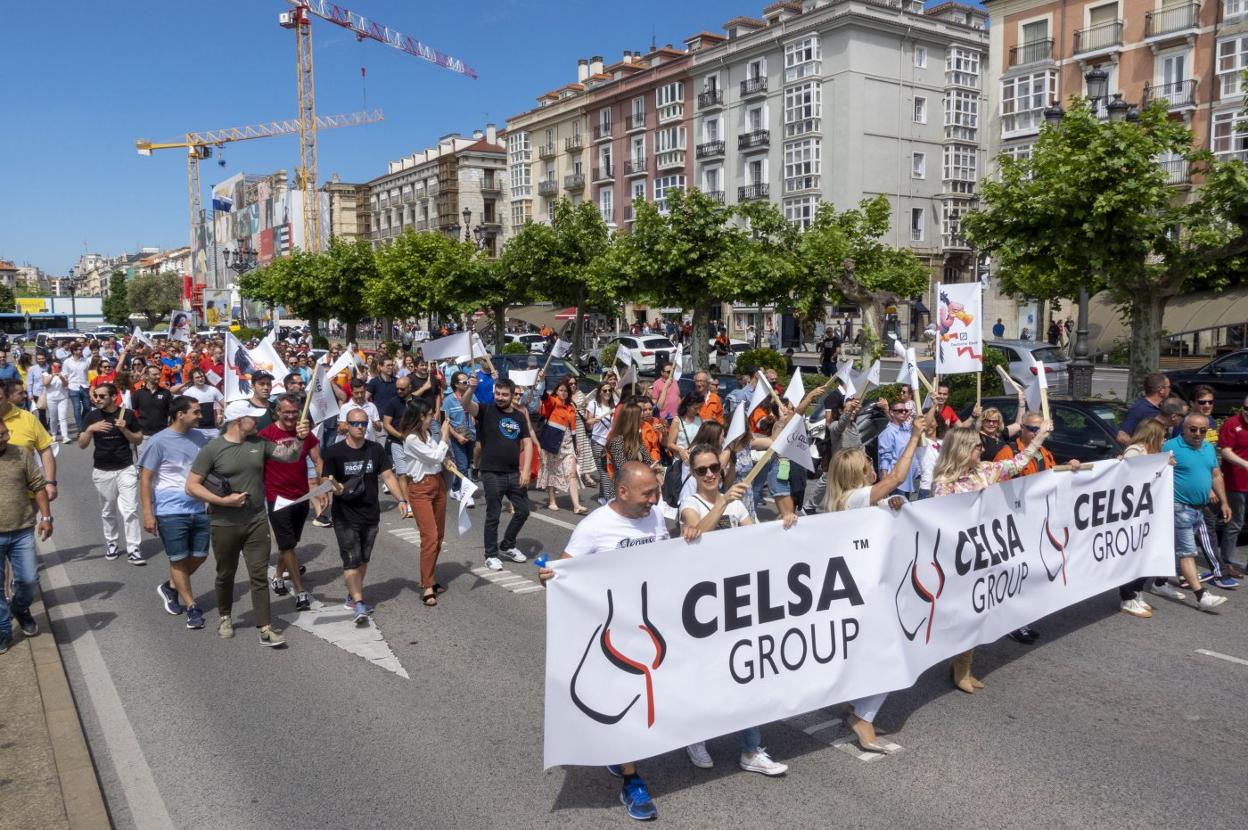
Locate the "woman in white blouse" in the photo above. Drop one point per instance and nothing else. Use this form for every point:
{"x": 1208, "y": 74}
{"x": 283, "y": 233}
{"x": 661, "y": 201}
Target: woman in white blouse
{"x": 426, "y": 489}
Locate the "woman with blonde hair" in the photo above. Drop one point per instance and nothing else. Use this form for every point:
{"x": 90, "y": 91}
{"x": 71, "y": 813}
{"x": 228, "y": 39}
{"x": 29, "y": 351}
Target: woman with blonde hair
{"x": 624, "y": 444}
{"x": 960, "y": 469}
{"x": 852, "y": 484}
{"x": 1147, "y": 440}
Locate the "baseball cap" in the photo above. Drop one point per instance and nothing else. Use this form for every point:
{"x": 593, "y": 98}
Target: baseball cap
{"x": 242, "y": 409}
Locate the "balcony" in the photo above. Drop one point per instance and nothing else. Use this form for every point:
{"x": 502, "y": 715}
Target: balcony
{"x": 422, "y": 224}
{"x": 636, "y": 121}
{"x": 603, "y": 131}
{"x": 636, "y": 167}
{"x": 1171, "y": 24}
{"x": 1178, "y": 95}
{"x": 715, "y": 196}
{"x": 753, "y": 86}
{"x": 574, "y": 144}
{"x": 1035, "y": 51}
{"x": 1177, "y": 171}
{"x": 1102, "y": 38}
{"x": 548, "y": 187}
{"x": 668, "y": 159}
{"x": 753, "y": 191}
{"x": 751, "y": 140}
{"x": 491, "y": 185}
{"x": 605, "y": 173}
{"x": 574, "y": 182}
{"x": 546, "y": 151}
{"x": 409, "y": 198}
{"x": 710, "y": 98}
{"x": 710, "y": 149}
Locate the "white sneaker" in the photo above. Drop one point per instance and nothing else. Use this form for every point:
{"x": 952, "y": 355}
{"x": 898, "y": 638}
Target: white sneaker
{"x": 1168, "y": 591}
{"x": 760, "y": 761}
{"x": 512, "y": 555}
{"x": 699, "y": 756}
{"x": 1208, "y": 601}
{"x": 1135, "y": 608}
{"x": 1141, "y": 601}
{"x": 493, "y": 563}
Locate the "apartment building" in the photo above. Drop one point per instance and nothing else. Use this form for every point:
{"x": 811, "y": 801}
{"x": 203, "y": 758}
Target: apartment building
{"x": 350, "y": 216}
{"x": 433, "y": 190}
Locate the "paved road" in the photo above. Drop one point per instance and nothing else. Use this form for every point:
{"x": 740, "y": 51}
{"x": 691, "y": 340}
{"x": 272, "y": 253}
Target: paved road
{"x": 1108, "y": 722}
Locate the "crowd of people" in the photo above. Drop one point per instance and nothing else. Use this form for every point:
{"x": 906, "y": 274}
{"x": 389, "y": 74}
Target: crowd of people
{"x": 242, "y": 478}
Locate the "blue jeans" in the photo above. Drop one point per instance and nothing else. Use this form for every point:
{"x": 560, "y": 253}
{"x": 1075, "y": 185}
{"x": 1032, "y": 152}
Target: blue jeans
{"x": 18, "y": 547}
{"x": 79, "y": 403}
{"x": 1185, "y": 520}
{"x": 461, "y": 454}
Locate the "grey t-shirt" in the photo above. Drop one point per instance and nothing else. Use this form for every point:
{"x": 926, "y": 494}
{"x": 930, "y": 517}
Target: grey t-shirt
{"x": 243, "y": 465}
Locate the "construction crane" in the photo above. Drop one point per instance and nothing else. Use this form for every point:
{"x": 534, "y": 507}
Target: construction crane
{"x": 300, "y": 20}
{"x": 199, "y": 146}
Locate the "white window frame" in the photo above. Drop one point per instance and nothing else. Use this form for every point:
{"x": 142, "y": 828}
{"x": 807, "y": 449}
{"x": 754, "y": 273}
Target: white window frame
{"x": 668, "y": 139}
{"x": 662, "y": 184}
{"x": 673, "y": 93}
{"x": 802, "y": 164}
{"x": 920, "y": 56}
{"x": 1229, "y": 136}
{"x": 803, "y": 108}
{"x": 718, "y": 172}
{"x": 802, "y": 58}
{"x": 801, "y": 211}
{"x": 1023, "y": 113}
{"x": 963, "y": 67}
{"x": 605, "y": 119}
{"x": 960, "y": 163}
{"x": 918, "y": 165}
{"x": 920, "y": 109}
{"x": 710, "y": 125}
{"x": 1230, "y": 72}
{"x": 918, "y": 229}
{"x": 764, "y": 174}
{"x": 638, "y": 188}
{"x": 606, "y": 203}
{"x": 633, "y": 155}
{"x": 1234, "y": 8}
{"x": 761, "y": 63}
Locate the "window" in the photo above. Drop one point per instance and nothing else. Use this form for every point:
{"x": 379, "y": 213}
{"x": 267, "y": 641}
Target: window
{"x": 550, "y": 212}
{"x": 605, "y": 170}
{"x": 920, "y": 57}
{"x": 1018, "y": 152}
{"x": 1232, "y": 61}
{"x": 918, "y": 165}
{"x": 520, "y": 215}
{"x": 802, "y": 108}
{"x": 920, "y": 109}
{"x": 960, "y": 162}
{"x": 802, "y": 59}
{"x": 662, "y": 184}
{"x": 1023, "y": 99}
{"x": 1101, "y": 15}
{"x": 962, "y": 68}
{"x": 756, "y": 171}
{"x": 606, "y": 204}
{"x": 754, "y": 120}
{"x": 638, "y": 190}
{"x": 710, "y": 83}
{"x": 518, "y": 145}
{"x": 1229, "y": 137}
{"x": 801, "y": 164}
{"x": 756, "y": 69}
{"x": 604, "y": 120}
{"x": 638, "y": 151}
{"x": 639, "y": 107}
{"x": 961, "y": 114}
{"x": 669, "y": 94}
{"x": 1234, "y": 8}
{"x": 916, "y": 224}
{"x": 951, "y": 213}
{"x": 801, "y": 212}
{"x": 712, "y": 180}
{"x": 710, "y": 129}
{"x": 672, "y": 138}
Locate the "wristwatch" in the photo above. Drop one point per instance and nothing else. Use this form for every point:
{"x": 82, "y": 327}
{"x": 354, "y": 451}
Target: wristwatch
{"x": 43, "y": 519}
{"x": 50, "y": 481}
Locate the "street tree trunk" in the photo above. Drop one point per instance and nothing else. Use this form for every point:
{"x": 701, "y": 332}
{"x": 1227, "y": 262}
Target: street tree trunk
{"x": 352, "y": 331}
{"x": 1146, "y": 312}
{"x": 314, "y": 327}
{"x": 701, "y": 336}
{"x": 500, "y": 327}
{"x": 578, "y": 329}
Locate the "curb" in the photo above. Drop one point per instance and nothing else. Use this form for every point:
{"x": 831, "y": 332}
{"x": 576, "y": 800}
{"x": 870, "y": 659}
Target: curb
{"x": 80, "y": 787}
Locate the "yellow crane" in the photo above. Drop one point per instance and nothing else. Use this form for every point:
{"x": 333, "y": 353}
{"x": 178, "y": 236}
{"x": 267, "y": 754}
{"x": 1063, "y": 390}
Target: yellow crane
{"x": 198, "y": 146}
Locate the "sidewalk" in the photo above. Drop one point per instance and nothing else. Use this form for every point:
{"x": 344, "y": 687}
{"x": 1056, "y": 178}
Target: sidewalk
{"x": 47, "y": 779}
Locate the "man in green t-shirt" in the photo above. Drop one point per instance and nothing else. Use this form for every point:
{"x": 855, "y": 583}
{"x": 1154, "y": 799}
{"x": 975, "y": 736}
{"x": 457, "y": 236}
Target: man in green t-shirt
{"x": 228, "y": 474}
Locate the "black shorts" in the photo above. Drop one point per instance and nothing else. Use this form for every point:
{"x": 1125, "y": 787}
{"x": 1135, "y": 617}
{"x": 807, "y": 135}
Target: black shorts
{"x": 288, "y": 524}
{"x": 355, "y": 543}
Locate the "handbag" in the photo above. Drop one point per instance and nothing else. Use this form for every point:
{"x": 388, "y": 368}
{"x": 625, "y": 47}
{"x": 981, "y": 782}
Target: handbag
{"x": 218, "y": 485}
{"x": 42, "y": 401}
{"x": 551, "y": 437}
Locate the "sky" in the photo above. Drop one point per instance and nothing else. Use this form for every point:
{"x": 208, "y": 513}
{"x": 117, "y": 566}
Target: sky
{"x": 82, "y": 79}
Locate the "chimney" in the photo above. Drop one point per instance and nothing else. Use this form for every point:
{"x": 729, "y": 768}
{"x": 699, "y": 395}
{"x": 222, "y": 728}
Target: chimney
{"x": 628, "y": 56}
{"x": 491, "y": 133}
{"x": 582, "y": 70}
{"x": 478, "y": 135}
{"x": 595, "y": 65}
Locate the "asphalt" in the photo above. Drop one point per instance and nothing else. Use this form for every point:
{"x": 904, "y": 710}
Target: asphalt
{"x": 1107, "y": 722}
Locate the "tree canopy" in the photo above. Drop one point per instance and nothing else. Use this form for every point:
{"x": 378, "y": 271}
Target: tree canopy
{"x": 116, "y": 306}
{"x": 154, "y": 295}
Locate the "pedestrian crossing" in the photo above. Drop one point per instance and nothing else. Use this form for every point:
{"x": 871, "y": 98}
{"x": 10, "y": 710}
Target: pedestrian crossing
{"x": 834, "y": 732}
{"x": 510, "y": 580}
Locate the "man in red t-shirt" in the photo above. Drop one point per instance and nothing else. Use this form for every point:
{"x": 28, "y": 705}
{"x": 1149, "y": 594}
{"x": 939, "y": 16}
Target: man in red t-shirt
{"x": 944, "y": 410}
{"x": 1233, "y": 447}
{"x": 289, "y": 480}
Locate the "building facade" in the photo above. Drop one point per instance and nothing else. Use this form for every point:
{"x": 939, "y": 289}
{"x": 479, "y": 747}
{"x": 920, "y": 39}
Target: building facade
{"x": 350, "y": 216}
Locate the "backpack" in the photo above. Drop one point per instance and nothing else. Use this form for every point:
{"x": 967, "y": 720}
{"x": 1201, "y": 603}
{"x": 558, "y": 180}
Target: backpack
{"x": 673, "y": 482}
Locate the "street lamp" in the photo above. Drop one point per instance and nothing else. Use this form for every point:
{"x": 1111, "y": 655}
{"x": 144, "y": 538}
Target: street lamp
{"x": 475, "y": 235}
{"x": 1053, "y": 114}
{"x": 240, "y": 260}
{"x": 1097, "y": 80}
{"x": 1118, "y": 108}
{"x": 72, "y": 286}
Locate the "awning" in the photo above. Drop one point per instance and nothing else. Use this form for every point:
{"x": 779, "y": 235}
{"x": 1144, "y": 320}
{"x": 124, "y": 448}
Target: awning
{"x": 538, "y": 315}
{"x": 918, "y": 308}
{"x": 567, "y": 314}
{"x": 1190, "y": 312}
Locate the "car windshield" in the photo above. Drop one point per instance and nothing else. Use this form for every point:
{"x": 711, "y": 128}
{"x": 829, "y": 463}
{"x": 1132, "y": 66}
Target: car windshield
{"x": 656, "y": 343}
{"x": 1048, "y": 354}
{"x": 1110, "y": 413}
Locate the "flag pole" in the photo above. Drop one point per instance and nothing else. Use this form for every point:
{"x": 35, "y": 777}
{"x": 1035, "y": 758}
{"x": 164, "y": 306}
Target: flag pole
{"x": 317, "y": 377}
{"x": 758, "y": 466}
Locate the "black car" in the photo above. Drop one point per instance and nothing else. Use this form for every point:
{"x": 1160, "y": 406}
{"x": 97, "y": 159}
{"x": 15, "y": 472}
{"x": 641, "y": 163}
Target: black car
{"x": 1083, "y": 429}
{"x": 1227, "y": 375}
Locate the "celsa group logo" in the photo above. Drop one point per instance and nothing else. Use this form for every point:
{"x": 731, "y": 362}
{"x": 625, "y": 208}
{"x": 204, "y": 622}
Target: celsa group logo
{"x": 629, "y": 665}
{"x": 1053, "y": 551}
{"x": 916, "y": 595}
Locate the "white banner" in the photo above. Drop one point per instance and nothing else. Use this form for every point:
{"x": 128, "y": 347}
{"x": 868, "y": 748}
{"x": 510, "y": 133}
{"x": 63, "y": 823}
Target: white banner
{"x": 454, "y": 346}
{"x": 959, "y": 328}
{"x": 322, "y": 403}
{"x": 655, "y": 647}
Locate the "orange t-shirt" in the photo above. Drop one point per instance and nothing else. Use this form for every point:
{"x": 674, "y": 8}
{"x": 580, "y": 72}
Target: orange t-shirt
{"x": 558, "y": 412}
{"x": 712, "y": 409}
{"x": 650, "y": 437}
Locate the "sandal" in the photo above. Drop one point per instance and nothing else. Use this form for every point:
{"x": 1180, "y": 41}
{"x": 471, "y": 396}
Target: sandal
{"x": 580, "y": 511}
{"x": 438, "y": 588}
{"x": 429, "y": 598}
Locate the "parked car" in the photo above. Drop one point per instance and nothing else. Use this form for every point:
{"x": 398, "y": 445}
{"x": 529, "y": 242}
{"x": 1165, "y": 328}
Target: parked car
{"x": 650, "y": 350}
{"x": 533, "y": 341}
{"x": 735, "y": 347}
{"x": 1023, "y": 358}
{"x": 110, "y": 331}
{"x": 1227, "y": 375}
{"x": 1084, "y": 429}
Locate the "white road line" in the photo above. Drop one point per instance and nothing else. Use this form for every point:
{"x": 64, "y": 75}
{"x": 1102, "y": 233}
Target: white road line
{"x": 850, "y": 747}
{"x": 819, "y": 727}
{"x": 1228, "y": 658}
{"x": 143, "y": 798}
{"x": 542, "y": 517}
{"x": 527, "y": 589}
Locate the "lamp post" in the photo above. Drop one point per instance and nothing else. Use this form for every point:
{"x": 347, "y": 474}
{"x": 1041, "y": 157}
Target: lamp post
{"x": 73, "y": 301}
{"x": 240, "y": 260}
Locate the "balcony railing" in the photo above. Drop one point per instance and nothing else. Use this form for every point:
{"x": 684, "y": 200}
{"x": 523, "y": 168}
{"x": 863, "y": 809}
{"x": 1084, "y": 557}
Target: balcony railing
{"x": 752, "y": 191}
{"x": 757, "y": 138}
{"x": 753, "y": 86}
{"x": 602, "y": 131}
{"x": 548, "y": 187}
{"x": 1177, "y": 170}
{"x": 1031, "y": 52}
{"x": 710, "y": 149}
{"x": 637, "y": 121}
{"x": 1177, "y": 95}
{"x": 715, "y": 196}
{"x": 633, "y": 167}
{"x": 574, "y": 144}
{"x": 546, "y": 151}
{"x": 491, "y": 186}
{"x": 1098, "y": 37}
{"x": 710, "y": 98}
{"x": 1172, "y": 20}
{"x": 605, "y": 172}
{"x": 422, "y": 224}
{"x": 409, "y": 198}
{"x": 574, "y": 181}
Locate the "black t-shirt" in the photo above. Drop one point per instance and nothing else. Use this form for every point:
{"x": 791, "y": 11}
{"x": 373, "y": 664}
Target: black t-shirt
{"x": 395, "y": 410}
{"x": 112, "y": 450}
{"x": 828, "y": 348}
{"x": 152, "y": 408}
{"x": 343, "y": 462}
{"x": 500, "y": 434}
{"x": 382, "y": 391}
{"x": 430, "y": 396}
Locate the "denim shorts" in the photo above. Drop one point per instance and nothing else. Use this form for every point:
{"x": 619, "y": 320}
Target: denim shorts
{"x": 355, "y": 543}
{"x": 1186, "y": 518}
{"x": 184, "y": 534}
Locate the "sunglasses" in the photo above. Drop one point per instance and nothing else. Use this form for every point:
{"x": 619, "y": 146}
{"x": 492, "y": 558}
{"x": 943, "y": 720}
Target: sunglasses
{"x": 710, "y": 468}
{"x": 992, "y": 421}
{"x": 357, "y": 423}
{"x": 1195, "y": 430}
{"x": 1031, "y": 428}
{"x": 1205, "y": 403}
{"x": 900, "y": 411}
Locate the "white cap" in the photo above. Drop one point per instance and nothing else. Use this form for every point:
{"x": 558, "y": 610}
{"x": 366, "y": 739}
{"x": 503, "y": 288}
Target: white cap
{"x": 241, "y": 409}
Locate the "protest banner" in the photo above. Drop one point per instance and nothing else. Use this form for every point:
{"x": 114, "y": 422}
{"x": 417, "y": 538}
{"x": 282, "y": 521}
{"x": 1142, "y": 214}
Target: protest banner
{"x": 959, "y": 330}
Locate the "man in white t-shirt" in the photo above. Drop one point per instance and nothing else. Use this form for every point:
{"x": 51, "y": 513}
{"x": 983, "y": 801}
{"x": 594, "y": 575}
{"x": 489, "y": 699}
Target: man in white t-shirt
{"x": 75, "y": 369}
{"x": 211, "y": 402}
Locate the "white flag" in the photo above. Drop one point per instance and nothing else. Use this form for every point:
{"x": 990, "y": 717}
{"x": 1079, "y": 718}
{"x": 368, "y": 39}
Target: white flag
{"x": 737, "y": 428}
{"x": 762, "y": 391}
{"x": 346, "y": 360}
{"x": 629, "y": 376}
{"x": 912, "y": 369}
{"x": 463, "y": 496}
{"x": 794, "y": 443}
{"x": 870, "y": 376}
{"x": 797, "y": 388}
{"x": 142, "y": 338}
{"x": 562, "y": 347}
{"x": 1032, "y": 393}
{"x": 959, "y": 335}
{"x": 845, "y": 369}
{"x": 904, "y": 375}
{"x": 678, "y": 362}
{"x": 623, "y": 355}
{"x": 266, "y": 359}
{"x": 323, "y": 405}
{"x": 450, "y": 347}
{"x": 238, "y": 369}
{"x": 523, "y": 378}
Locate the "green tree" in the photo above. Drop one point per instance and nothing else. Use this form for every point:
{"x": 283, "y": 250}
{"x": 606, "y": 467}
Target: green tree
{"x": 116, "y": 306}
{"x": 764, "y": 270}
{"x": 154, "y": 295}
{"x": 842, "y": 257}
{"x": 26, "y": 288}
{"x": 8, "y": 302}
{"x": 349, "y": 267}
{"x": 1092, "y": 208}
{"x": 513, "y": 278}
{"x": 422, "y": 274}
{"x": 297, "y": 282}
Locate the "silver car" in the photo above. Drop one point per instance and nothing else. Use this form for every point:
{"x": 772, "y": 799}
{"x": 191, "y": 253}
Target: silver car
{"x": 1023, "y": 358}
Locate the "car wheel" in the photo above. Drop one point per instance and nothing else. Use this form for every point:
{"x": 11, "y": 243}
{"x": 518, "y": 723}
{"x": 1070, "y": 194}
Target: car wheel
{"x": 592, "y": 364}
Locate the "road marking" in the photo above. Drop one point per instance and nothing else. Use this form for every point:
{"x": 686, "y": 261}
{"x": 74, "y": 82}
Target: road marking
{"x": 542, "y": 517}
{"x": 134, "y": 776}
{"x": 1228, "y": 658}
{"x": 528, "y": 589}
{"x": 510, "y": 580}
{"x": 819, "y": 727}
{"x": 850, "y": 747}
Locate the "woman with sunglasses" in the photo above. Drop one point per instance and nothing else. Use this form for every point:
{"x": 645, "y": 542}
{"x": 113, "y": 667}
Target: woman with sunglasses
{"x": 426, "y": 490}
{"x": 599, "y": 413}
{"x": 558, "y": 470}
{"x": 463, "y": 431}
{"x": 852, "y": 485}
{"x": 683, "y": 427}
{"x": 665, "y": 392}
{"x": 993, "y": 431}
